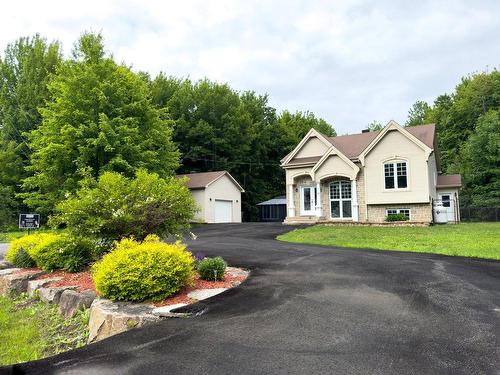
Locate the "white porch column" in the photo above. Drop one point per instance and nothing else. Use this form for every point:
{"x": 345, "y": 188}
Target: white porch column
{"x": 355, "y": 205}
{"x": 291, "y": 201}
{"x": 318, "y": 199}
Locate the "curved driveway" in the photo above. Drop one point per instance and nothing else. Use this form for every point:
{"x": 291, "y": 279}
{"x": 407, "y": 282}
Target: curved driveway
{"x": 316, "y": 310}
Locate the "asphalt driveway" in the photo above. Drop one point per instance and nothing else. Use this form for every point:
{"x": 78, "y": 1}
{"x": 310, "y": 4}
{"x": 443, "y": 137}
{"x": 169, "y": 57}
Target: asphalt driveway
{"x": 316, "y": 310}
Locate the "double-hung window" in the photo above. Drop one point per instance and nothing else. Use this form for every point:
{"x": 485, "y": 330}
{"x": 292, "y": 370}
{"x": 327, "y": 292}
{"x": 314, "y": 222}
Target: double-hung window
{"x": 396, "y": 175}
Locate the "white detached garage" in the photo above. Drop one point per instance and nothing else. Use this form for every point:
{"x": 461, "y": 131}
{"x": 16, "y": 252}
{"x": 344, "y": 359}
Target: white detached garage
{"x": 218, "y": 196}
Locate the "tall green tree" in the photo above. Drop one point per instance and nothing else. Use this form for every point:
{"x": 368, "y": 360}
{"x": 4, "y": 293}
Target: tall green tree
{"x": 25, "y": 69}
{"x": 417, "y": 113}
{"x": 461, "y": 119}
{"x": 295, "y": 126}
{"x": 481, "y": 161}
{"x": 99, "y": 118}
{"x": 375, "y": 126}
{"x": 219, "y": 128}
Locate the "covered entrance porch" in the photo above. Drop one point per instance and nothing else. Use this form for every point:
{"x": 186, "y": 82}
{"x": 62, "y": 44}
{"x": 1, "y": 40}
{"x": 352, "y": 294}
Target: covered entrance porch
{"x": 330, "y": 198}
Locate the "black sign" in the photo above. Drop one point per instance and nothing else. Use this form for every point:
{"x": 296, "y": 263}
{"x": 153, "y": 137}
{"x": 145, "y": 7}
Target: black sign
{"x": 29, "y": 221}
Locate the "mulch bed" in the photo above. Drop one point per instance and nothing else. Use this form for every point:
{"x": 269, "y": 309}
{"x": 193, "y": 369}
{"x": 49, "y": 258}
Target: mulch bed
{"x": 83, "y": 281}
{"x": 181, "y": 296}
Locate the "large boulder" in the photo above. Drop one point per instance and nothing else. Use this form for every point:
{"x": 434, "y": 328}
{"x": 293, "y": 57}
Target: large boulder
{"x": 4, "y": 264}
{"x": 53, "y": 295}
{"x": 109, "y": 318}
{"x": 15, "y": 281}
{"x": 71, "y": 301}
{"x": 34, "y": 285}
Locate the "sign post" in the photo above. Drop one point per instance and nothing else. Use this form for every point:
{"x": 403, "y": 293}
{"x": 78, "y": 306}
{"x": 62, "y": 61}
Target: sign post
{"x": 29, "y": 221}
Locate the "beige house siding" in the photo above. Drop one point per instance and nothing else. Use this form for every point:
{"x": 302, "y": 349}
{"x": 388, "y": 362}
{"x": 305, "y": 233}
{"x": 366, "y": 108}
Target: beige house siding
{"x": 223, "y": 189}
{"x": 334, "y": 166}
{"x": 421, "y": 213}
{"x": 395, "y": 146}
{"x": 313, "y": 147}
{"x": 199, "y": 197}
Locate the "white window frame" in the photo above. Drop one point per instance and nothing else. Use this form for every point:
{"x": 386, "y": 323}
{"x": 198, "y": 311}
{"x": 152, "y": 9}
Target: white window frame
{"x": 398, "y": 211}
{"x": 340, "y": 200}
{"x": 394, "y": 164}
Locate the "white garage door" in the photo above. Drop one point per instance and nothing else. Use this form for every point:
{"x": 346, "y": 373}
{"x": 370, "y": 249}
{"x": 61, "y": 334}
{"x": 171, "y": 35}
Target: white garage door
{"x": 223, "y": 210}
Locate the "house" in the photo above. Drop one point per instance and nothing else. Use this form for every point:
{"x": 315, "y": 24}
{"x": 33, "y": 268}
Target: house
{"x": 273, "y": 209}
{"x": 218, "y": 196}
{"x": 366, "y": 177}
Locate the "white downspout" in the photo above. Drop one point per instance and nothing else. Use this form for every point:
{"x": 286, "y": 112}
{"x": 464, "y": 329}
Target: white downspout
{"x": 355, "y": 205}
{"x": 318, "y": 199}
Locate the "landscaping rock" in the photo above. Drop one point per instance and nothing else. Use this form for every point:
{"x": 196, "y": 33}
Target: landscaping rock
{"x": 109, "y": 318}
{"x": 71, "y": 301}
{"x": 34, "y": 285}
{"x": 202, "y": 294}
{"x": 4, "y": 264}
{"x": 53, "y": 295}
{"x": 166, "y": 311}
{"x": 233, "y": 271}
{"x": 12, "y": 282}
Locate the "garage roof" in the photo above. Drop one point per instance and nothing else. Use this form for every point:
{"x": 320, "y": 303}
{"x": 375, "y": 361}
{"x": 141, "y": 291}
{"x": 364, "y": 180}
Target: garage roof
{"x": 203, "y": 179}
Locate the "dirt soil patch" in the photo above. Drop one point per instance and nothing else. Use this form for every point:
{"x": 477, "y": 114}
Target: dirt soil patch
{"x": 81, "y": 280}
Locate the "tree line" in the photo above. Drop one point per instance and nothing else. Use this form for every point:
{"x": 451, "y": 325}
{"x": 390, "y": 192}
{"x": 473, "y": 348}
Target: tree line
{"x": 468, "y": 129}
{"x": 63, "y": 121}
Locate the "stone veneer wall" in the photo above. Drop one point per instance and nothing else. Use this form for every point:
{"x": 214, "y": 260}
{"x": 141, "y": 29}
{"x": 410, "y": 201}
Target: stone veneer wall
{"x": 360, "y": 188}
{"x": 420, "y": 212}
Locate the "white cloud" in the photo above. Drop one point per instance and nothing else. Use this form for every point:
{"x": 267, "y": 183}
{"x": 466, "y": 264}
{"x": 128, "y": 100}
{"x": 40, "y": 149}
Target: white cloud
{"x": 350, "y": 62}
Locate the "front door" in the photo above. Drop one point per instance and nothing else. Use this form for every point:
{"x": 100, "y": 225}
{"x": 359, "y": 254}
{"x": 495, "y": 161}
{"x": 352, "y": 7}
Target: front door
{"x": 448, "y": 201}
{"x": 307, "y": 201}
{"x": 340, "y": 200}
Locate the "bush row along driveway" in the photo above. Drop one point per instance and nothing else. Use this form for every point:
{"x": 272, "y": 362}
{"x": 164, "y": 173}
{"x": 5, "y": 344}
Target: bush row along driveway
{"x": 315, "y": 310}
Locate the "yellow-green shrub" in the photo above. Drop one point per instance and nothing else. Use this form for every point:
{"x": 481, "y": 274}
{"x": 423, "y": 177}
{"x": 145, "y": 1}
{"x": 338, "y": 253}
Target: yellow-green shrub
{"x": 135, "y": 271}
{"x": 22, "y": 247}
{"x": 51, "y": 251}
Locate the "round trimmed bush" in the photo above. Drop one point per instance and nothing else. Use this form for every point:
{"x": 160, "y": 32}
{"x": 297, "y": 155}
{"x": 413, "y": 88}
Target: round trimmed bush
{"x": 212, "y": 268}
{"x": 135, "y": 271}
{"x": 51, "y": 251}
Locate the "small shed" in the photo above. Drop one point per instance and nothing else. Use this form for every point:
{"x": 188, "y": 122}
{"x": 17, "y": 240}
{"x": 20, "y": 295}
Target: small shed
{"x": 273, "y": 209}
{"x": 218, "y": 196}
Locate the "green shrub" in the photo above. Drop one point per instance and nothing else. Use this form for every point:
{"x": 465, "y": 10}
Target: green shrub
{"x": 20, "y": 249}
{"x": 63, "y": 251}
{"x": 115, "y": 207}
{"x": 151, "y": 270}
{"x": 396, "y": 217}
{"x": 212, "y": 268}
{"x": 51, "y": 251}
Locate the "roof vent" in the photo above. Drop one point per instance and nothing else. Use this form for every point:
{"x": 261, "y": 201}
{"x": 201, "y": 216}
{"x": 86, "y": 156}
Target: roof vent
{"x": 365, "y": 131}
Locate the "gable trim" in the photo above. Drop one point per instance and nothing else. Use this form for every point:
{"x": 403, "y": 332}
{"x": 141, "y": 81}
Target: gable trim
{"x": 393, "y": 125}
{"x": 230, "y": 177}
{"x": 311, "y": 133}
{"x": 333, "y": 151}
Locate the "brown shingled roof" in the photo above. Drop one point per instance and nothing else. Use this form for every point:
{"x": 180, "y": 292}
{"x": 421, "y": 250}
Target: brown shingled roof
{"x": 312, "y": 159}
{"x": 203, "y": 179}
{"x": 354, "y": 144}
{"x": 451, "y": 180}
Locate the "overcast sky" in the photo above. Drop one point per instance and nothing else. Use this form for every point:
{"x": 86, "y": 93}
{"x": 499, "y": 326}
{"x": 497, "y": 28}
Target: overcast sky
{"x": 349, "y": 62}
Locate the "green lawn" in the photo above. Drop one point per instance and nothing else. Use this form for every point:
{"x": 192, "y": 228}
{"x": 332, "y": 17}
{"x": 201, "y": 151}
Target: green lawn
{"x": 30, "y": 329}
{"x": 480, "y": 240}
